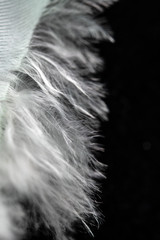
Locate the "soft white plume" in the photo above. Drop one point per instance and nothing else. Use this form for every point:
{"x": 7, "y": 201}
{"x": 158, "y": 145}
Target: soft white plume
{"x": 49, "y": 118}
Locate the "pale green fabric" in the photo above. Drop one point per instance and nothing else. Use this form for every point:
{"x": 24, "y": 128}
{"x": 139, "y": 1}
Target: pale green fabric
{"x": 18, "y": 19}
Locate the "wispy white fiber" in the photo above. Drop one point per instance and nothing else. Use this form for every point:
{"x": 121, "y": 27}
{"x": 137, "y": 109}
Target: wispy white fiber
{"x": 49, "y": 124}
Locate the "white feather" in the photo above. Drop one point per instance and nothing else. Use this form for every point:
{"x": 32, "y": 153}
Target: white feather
{"x": 50, "y": 118}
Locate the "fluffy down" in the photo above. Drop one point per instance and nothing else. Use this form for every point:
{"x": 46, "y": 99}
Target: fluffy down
{"x": 49, "y": 119}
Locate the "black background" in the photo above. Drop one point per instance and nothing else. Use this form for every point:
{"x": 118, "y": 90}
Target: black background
{"x": 130, "y": 195}
{"x": 132, "y": 74}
